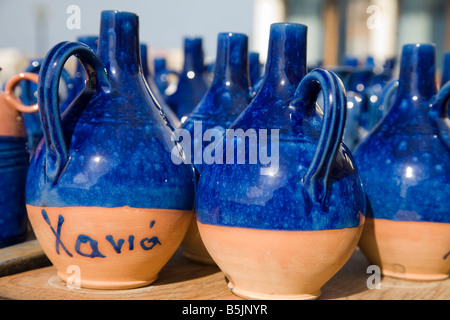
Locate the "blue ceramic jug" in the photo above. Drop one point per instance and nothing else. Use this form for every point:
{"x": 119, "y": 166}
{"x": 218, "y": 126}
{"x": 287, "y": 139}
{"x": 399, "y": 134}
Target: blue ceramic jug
{"x": 282, "y": 222}
{"x": 14, "y": 159}
{"x": 148, "y": 75}
{"x": 192, "y": 84}
{"x": 405, "y": 168}
{"x": 227, "y": 97}
{"x": 102, "y": 190}
{"x": 164, "y": 77}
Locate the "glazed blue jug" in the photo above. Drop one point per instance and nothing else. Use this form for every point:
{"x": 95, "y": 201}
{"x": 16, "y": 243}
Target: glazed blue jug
{"x": 102, "y": 190}
{"x": 227, "y": 97}
{"x": 405, "y": 168}
{"x": 14, "y": 158}
{"x": 193, "y": 83}
{"x": 288, "y": 189}
{"x": 164, "y": 77}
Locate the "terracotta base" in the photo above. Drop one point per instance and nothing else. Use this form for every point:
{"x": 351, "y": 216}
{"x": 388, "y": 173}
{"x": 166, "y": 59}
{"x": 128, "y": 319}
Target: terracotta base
{"x": 193, "y": 248}
{"x": 108, "y": 248}
{"x": 272, "y": 264}
{"x": 408, "y": 249}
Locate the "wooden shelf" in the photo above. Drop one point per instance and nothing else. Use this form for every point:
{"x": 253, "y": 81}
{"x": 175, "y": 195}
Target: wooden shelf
{"x": 182, "y": 279}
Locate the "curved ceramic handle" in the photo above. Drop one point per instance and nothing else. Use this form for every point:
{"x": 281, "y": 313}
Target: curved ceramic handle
{"x": 12, "y": 84}
{"x": 48, "y": 98}
{"x": 439, "y": 113}
{"x": 334, "y": 109}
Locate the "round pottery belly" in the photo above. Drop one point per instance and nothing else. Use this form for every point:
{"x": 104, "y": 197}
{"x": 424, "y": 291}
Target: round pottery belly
{"x": 408, "y": 249}
{"x": 274, "y": 264}
{"x": 111, "y": 248}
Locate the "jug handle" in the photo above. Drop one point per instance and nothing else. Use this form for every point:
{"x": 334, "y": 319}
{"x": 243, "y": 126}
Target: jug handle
{"x": 439, "y": 113}
{"x": 334, "y": 108}
{"x": 12, "y": 83}
{"x": 57, "y": 156}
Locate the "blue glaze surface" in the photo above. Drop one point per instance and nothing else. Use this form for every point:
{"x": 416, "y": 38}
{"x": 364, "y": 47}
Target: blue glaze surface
{"x": 228, "y": 95}
{"x": 13, "y": 169}
{"x": 405, "y": 161}
{"x": 113, "y": 146}
{"x": 192, "y": 84}
{"x": 307, "y": 191}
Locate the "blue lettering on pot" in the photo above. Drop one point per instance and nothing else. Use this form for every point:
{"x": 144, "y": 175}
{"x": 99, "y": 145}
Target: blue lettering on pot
{"x": 145, "y": 243}
{"x": 94, "y": 246}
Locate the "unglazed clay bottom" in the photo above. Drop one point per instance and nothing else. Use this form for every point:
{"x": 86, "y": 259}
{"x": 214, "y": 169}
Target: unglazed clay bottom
{"x": 273, "y": 264}
{"x": 111, "y": 248}
{"x": 408, "y": 249}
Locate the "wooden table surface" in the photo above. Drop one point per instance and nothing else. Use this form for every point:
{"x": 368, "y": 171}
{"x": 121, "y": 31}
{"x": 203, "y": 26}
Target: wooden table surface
{"x": 182, "y": 279}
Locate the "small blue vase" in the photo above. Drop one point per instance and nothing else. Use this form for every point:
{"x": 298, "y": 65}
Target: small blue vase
{"x": 192, "y": 84}
{"x": 405, "y": 168}
{"x": 288, "y": 189}
{"x": 148, "y": 75}
{"x": 162, "y": 76}
{"x": 103, "y": 178}
{"x": 227, "y": 97}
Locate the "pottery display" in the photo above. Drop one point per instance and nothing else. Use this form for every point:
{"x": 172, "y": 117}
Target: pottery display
{"x": 405, "y": 168}
{"x": 282, "y": 226}
{"x": 192, "y": 83}
{"x": 102, "y": 191}
{"x": 227, "y": 97}
{"x": 13, "y": 163}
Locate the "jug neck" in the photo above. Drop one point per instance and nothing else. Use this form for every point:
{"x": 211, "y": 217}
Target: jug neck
{"x": 286, "y": 58}
{"x": 231, "y": 67}
{"x": 417, "y": 72}
{"x": 119, "y": 47}
{"x": 193, "y": 57}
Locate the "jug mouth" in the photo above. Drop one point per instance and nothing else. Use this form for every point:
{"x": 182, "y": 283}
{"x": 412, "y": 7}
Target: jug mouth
{"x": 110, "y": 13}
